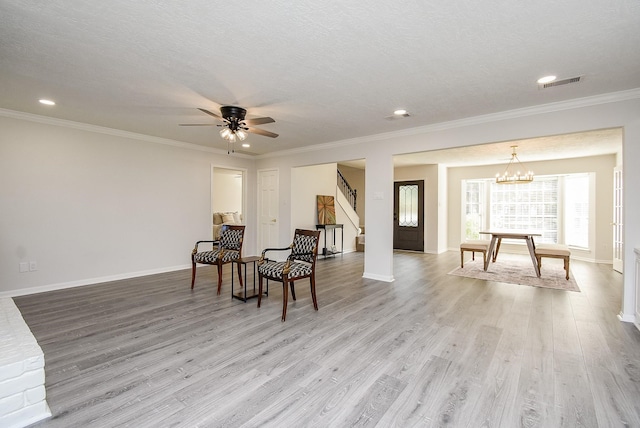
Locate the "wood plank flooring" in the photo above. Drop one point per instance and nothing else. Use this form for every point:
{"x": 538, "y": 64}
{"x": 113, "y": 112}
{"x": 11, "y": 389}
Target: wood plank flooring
{"x": 429, "y": 349}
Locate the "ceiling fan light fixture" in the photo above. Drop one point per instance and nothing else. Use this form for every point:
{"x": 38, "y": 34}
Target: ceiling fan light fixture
{"x": 225, "y": 133}
{"x": 235, "y": 127}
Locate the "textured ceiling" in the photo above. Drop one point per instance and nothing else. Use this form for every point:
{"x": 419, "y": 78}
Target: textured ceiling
{"x": 324, "y": 70}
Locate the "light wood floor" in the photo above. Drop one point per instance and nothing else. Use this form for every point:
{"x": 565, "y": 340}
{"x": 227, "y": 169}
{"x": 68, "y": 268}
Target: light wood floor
{"x": 429, "y": 349}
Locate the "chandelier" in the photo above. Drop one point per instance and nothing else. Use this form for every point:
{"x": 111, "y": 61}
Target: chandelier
{"x": 511, "y": 177}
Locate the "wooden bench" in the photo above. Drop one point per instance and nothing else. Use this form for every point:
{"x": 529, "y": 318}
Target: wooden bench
{"x": 475, "y": 246}
{"x": 554, "y": 251}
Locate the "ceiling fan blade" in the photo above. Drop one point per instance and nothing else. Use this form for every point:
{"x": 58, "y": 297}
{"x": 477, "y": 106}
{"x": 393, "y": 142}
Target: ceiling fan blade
{"x": 198, "y": 124}
{"x": 261, "y": 132}
{"x": 258, "y": 121}
{"x": 217, "y": 116}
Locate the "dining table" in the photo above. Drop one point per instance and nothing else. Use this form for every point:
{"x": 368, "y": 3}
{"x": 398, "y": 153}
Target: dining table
{"x": 496, "y": 239}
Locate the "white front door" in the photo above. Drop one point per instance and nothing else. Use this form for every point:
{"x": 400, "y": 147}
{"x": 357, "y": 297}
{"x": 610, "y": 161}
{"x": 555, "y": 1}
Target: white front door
{"x": 268, "y": 199}
{"x": 618, "y": 221}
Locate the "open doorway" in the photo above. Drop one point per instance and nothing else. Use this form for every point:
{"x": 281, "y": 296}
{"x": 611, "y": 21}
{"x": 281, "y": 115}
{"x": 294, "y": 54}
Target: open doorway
{"x": 227, "y": 197}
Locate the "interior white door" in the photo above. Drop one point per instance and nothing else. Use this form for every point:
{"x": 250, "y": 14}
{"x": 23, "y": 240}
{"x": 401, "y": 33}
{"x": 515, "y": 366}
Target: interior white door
{"x": 268, "y": 200}
{"x": 618, "y": 221}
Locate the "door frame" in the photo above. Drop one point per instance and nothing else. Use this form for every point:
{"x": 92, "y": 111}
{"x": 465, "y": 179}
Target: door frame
{"x": 618, "y": 221}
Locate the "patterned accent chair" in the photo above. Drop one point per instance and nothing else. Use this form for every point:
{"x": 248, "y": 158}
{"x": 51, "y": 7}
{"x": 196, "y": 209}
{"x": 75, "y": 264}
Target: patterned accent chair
{"x": 225, "y": 250}
{"x": 301, "y": 263}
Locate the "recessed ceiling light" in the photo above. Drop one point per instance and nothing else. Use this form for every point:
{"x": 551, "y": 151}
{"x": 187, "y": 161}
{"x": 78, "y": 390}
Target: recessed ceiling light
{"x": 400, "y": 112}
{"x": 246, "y": 145}
{"x": 546, "y": 79}
{"x": 47, "y": 102}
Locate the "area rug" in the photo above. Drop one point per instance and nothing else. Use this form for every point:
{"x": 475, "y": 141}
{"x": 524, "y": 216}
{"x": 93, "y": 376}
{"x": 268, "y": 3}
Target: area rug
{"x": 515, "y": 269}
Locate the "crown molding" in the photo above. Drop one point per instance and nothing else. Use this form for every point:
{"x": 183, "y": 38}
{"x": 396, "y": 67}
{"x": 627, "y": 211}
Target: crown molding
{"x": 111, "y": 131}
{"x": 470, "y": 121}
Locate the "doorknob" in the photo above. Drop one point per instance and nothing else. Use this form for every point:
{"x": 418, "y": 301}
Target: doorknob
{"x": 273, "y": 220}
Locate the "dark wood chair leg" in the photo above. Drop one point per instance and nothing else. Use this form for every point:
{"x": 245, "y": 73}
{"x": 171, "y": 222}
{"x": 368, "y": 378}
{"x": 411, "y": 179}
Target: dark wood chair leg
{"x": 312, "y": 279}
{"x": 259, "y": 289}
{"x": 219, "y": 277}
{"x": 193, "y": 273}
{"x": 566, "y": 267}
{"x": 285, "y": 298}
{"x": 461, "y": 258}
{"x": 293, "y": 291}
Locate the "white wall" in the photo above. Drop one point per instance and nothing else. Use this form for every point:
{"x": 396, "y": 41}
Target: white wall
{"x": 307, "y": 183}
{"x": 89, "y": 204}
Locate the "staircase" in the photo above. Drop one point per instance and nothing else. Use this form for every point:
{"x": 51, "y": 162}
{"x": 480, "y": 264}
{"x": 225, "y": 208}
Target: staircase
{"x": 347, "y": 198}
{"x": 349, "y": 193}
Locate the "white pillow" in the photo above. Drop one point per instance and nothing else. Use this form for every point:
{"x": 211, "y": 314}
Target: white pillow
{"x": 228, "y": 218}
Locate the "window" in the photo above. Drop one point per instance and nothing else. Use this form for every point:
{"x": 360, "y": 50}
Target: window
{"x": 531, "y": 206}
{"x": 557, "y": 207}
{"x": 474, "y": 215}
{"x": 577, "y": 210}
{"x": 408, "y": 205}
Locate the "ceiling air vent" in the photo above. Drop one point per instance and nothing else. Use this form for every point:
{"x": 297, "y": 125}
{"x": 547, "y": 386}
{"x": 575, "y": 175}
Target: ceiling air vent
{"x": 561, "y": 82}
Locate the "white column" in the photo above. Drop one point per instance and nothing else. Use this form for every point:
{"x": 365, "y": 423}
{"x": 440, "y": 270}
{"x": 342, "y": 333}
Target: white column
{"x": 378, "y": 254}
{"x": 631, "y": 207}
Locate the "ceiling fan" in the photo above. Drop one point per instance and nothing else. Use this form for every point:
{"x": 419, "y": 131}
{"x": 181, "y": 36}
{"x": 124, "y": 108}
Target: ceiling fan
{"x": 235, "y": 126}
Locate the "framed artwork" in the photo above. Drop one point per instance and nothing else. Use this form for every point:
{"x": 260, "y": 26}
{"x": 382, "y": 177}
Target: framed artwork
{"x": 326, "y": 209}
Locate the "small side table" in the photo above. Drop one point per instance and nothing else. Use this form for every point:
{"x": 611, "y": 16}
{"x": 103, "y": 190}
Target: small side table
{"x": 245, "y": 261}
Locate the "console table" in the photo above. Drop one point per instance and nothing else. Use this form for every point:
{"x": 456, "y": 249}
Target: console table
{"x": 326, "y": 252}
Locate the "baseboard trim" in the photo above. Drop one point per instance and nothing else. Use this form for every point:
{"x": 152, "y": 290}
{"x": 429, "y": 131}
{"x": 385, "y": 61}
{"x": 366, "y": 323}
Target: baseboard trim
{"x": 626, "y": 317}
{"x": 90, "y": 281}
{"x": 384, "y": 278}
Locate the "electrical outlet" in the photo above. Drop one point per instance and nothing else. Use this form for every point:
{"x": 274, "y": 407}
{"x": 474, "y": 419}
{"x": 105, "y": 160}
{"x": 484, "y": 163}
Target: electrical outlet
{"x": 24, "y": 267}
{"x": 33, "y": 266}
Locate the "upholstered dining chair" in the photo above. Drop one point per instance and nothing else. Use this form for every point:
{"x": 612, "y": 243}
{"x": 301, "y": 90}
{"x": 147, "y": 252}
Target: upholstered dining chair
{"x": 301, "y": 263}
{"x": 227, "y": 249}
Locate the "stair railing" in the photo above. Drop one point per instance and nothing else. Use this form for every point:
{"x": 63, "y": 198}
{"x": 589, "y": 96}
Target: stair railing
{"x": 347, "y": 191}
